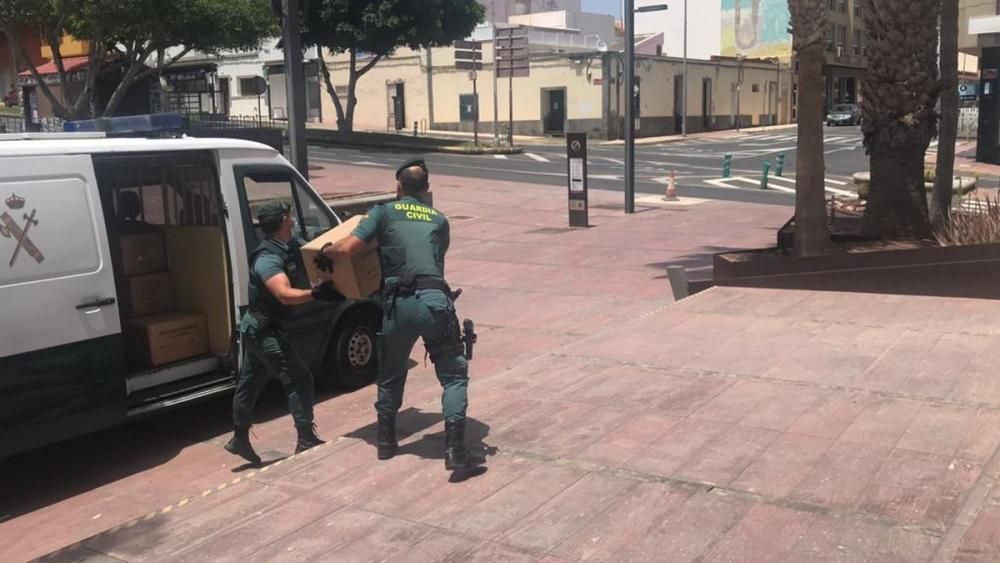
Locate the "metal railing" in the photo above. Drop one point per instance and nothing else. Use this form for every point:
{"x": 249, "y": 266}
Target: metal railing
{"x": 16, "y": 124}
{"x": 224, "y": 122}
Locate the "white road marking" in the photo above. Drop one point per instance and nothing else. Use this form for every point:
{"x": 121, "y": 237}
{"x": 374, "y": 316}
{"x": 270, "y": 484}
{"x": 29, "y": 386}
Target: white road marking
{"x": 534, "y": 156}
{"x": 613, "y": 160}
{"x": 370, "y": 163}
{"x": 500, "y": 156}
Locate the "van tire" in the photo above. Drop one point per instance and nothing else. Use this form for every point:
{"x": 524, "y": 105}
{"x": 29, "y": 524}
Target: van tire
{"x": 351, "y": 360}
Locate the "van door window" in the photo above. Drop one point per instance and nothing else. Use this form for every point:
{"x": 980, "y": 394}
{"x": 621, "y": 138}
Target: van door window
{"x": 267, "y": 184}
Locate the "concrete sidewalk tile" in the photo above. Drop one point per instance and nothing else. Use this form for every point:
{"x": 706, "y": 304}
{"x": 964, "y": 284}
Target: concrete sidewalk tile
{"x": 567, "y": 512}
{"x": 385, "y": 542}
{"x": 492, "y": 552}
{"x": 548, "y": 430}
{"x": 982, "y": 541}
{"x": 977, "y": 385}
{"x": 946, "y": 366}
{"x": 316, "y": 540}
{"x": 766, "y": 533}
{"x": 444, "y": 503}
{"x": 164, "y": 535}
{"x": 293, "y": 519}
{"x": 906, "y": 546}
{"x": 882, "y": 423}
{"x": 840, "y": 540}
{"x": 499, "y": 512}
{"x": 758, "y": 348}
{"x": 306, "y": 473}
{"x": 724, "y": 458}
{"x": 919, "y": 488}
{"x": 831, "y": 414}
{"x": 946, "y": 429}
{"x": 676, "y": 447}
{"x": 614, "y": 534}
{"x": 436, "y": 546}
{"x": 898, "y": 363}
{"x": 779, "y": 412}
{"x": 690, "y": 531}
{"x": 836, "y": 356}
{"x": 781, "y": 466}
{"x": 629, "y": 439}
{"x": 569, "y": 441}
{"x": 841, "y": 475}
{"x": 691, "y": 395}
{"x": 369, "y": 480}
{"x": 740, "y": 400}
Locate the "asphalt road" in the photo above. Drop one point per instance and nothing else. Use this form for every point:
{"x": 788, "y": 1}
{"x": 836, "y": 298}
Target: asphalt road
{"x": 696, "y": 162}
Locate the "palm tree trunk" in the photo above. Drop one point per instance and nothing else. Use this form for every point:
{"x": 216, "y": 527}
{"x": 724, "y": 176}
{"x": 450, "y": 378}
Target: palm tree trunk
{"x": 900, "y": 91}
{"x": 808, "y": 24}
{"x": 948, "y": 134}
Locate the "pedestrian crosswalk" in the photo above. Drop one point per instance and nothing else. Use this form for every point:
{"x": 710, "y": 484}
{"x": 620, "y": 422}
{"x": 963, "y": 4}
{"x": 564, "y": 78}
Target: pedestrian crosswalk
{"x": 785, "y": 184}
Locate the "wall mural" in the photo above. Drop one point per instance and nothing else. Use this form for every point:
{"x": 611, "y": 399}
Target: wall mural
{"x": 756, "y": 28}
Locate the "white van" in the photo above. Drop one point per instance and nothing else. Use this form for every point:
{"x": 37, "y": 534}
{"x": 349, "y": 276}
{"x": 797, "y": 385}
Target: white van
{"x": 123, "y": 275}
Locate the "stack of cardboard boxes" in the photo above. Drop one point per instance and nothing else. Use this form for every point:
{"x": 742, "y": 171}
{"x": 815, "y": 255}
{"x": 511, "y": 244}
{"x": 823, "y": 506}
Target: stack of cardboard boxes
{"x": 156, "y": 334}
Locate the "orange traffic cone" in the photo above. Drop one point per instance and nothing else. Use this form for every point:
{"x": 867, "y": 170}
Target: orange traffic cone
{"x": 671, "y": 194}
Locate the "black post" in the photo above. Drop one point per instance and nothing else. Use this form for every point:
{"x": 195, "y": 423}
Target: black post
{"x": 988, "y": 136}
{"x": 295, "y": 94}
{"x": 576, "y": 162}
{"x": 510, "y": 96}
{"x": 475, "y": 110}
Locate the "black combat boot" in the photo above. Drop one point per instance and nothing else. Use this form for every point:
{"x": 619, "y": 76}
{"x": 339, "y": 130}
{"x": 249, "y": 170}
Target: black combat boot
{"x": 239, "y": 445}
{"x": 386, "y": 442}
{"x": 307, "y": 438}
{"x": 455, "y": 454}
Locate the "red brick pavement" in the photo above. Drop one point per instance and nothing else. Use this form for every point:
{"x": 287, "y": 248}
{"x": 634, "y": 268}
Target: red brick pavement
{"x": 739, "y": 425}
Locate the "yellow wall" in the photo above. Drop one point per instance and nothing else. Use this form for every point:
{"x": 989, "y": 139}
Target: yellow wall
{"x": 68, "y": 47}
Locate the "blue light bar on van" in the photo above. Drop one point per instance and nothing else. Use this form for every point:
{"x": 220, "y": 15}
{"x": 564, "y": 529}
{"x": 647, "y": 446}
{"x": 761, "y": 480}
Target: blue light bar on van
{"x": 128, "y": 125}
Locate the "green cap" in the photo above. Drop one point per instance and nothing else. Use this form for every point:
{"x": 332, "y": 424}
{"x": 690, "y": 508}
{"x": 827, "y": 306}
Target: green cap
{"x": 272, "y": 210}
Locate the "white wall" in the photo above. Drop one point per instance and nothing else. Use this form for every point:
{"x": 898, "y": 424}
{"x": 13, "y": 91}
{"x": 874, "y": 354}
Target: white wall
{"x": 704, "y": 26}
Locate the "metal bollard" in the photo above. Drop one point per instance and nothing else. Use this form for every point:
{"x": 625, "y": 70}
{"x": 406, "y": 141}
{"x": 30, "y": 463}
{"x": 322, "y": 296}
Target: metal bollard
{"x": 779, "y": 167}
{"x": 763, "y": 178}
{"x": 415, "y": 123}
{"x": 727, "y": 164}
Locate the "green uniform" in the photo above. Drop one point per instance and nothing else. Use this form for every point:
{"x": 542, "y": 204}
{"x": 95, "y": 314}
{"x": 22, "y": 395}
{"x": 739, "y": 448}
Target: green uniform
{"x": 266, "y": 349}
{"x": 413, "y": 238}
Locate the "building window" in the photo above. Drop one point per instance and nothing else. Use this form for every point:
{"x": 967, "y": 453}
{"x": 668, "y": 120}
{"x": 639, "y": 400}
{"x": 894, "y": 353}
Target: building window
{"x": 842, "y": 8}
{"x": 841, "y": 39}
{"x": 755, "y": 88}
{"x": 857, "y": 42}
{"x": 833, "y": 5}
{"x": 857, "y": 8}
{"x": 249, "y": 86}
{"x": 830, "y": 31}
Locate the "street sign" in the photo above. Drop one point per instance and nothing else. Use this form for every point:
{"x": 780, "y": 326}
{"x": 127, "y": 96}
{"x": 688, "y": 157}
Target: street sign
{"x": 967, "y": 92}
{"x": 576, "y": 179}
{"x": 469, "y": 65}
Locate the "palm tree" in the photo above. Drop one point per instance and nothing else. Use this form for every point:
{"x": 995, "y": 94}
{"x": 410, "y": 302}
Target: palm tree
{"x": 900, "y": 90}
{"x": 943, "y": 184}
{"x": 808, "y": 19}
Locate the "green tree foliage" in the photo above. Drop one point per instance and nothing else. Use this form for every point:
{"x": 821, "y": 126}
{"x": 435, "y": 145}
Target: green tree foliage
{"x": 132, "y": 40}
{"x": 371, "y": 30}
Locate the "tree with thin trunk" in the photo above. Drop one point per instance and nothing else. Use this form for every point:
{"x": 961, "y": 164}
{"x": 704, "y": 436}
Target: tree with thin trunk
{"x": 808, "y": 19}
{"x": 948, "y": 133}
{"x": 900, "y": 91}
{"x": 130, "y": 41}
{"x": 367, "y": 31}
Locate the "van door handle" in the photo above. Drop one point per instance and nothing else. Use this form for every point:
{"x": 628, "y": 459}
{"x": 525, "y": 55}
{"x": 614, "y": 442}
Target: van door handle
{"x": 97, "y": 304}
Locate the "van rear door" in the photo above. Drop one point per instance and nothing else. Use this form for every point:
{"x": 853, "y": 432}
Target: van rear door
{"x": 62, "y": 370}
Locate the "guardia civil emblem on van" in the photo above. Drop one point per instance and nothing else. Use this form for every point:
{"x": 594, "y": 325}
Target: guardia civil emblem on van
{"x": 11, "y": 229}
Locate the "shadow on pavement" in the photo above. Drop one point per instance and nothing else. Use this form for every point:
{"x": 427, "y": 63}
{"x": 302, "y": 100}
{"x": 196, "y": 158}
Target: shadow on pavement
{"x": 38, "y": 478}
{"x": 431, "y": 446}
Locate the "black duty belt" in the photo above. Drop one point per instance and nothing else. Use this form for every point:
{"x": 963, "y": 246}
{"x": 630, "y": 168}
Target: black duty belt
{"x": 409, "y": 285}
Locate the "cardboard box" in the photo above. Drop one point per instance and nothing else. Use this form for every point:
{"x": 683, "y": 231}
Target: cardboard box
{"x": 356, "y": 278}
{"x": 162, "y": 339}
{"x": 148, "y": 294}
{"x": 142, "y": 253}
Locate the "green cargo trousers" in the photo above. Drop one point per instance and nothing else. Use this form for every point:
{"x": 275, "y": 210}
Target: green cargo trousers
{"x": 265, "y": 353}
{"x": 427, "y": 314}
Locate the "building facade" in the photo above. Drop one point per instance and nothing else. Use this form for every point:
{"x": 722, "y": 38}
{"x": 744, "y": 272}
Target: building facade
{"x": 580, "y": 91}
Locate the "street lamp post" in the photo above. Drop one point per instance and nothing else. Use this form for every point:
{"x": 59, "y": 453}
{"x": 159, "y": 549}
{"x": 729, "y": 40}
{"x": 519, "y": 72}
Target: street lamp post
{"x": 684, "y": 113}
{"x": 630, "y": 11}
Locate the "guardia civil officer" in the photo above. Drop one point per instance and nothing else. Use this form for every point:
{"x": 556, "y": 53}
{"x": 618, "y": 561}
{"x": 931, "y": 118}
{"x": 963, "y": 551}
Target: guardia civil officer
{"x": 413, "y": 238}
{"x": 276, "y": 276}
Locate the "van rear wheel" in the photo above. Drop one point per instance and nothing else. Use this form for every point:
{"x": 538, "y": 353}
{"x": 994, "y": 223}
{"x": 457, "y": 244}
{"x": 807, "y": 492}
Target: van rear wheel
{"x": 352, "y": 361}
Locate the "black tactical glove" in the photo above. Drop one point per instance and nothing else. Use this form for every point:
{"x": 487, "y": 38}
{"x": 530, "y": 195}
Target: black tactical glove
{"x": 323, "y": 263}
{"x": 326, "y": 292}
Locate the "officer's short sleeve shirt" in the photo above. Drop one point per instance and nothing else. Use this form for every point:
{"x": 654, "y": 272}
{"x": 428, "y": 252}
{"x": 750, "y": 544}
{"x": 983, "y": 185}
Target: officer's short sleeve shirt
{"x": 369, "y": 228}
{"x": 267, "y": 266}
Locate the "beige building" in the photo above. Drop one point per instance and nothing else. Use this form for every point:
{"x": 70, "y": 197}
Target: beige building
{"x": 566, "y": 92}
